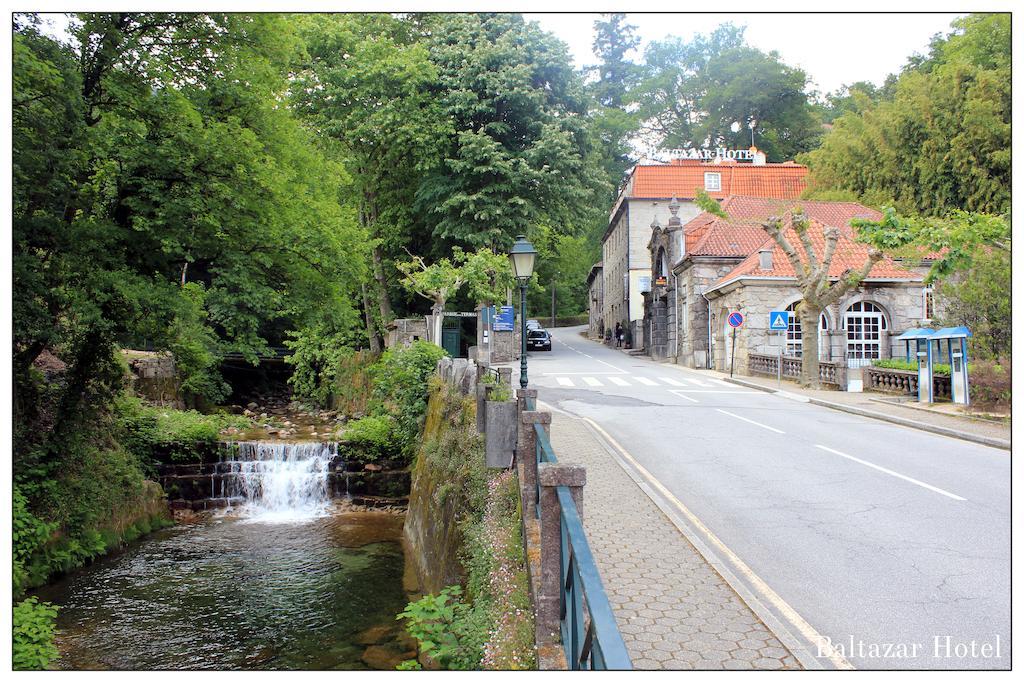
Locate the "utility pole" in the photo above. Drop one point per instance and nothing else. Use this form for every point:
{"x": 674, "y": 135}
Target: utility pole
{"x": 554, "y": 282}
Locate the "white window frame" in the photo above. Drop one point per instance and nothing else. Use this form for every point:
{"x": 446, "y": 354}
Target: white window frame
{"x": 712, "y": 181}
{"x": 927, "y": 304}
{"x": 864, "y": 332}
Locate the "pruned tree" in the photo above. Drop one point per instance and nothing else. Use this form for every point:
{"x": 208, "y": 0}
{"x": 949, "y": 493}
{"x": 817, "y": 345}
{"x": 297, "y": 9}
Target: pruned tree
{"x": 487, "y": 274}
{"x": 819, "y": 289}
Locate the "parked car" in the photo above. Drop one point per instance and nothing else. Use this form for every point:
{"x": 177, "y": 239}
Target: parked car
{"x": 538, "y": 340}
{"x": 533, "y": 325}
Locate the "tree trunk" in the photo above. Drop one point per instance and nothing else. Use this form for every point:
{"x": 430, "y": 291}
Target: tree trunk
{"x": 371, "y": 330}
{"x": 383, "y": 298}
{"x": 437, "y": 310}
{"x": 809, "y": 372}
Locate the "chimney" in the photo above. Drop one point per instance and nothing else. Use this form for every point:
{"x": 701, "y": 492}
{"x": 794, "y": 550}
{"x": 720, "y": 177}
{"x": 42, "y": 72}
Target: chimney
{"x": 765, "y": 258}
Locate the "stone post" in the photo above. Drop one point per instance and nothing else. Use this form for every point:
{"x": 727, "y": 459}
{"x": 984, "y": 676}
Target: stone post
{"x": 553, "y": 475}
{"x": 505, "y": 376}
{"x": 526, "y": 450}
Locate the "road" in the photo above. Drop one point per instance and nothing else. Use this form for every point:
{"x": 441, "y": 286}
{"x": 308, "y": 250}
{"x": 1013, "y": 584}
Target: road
{"x": 891, "y": 542}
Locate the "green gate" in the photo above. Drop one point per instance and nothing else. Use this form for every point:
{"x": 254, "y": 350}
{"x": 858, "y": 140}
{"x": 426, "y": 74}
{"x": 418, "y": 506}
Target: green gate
{"x": 451, "y": 336}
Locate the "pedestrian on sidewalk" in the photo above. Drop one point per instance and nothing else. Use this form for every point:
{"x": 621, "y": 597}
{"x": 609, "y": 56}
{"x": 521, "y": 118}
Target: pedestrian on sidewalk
{"x": 618, "y": 335}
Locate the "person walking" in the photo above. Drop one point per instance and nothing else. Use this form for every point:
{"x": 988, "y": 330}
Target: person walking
{"x": 618, "y": 335}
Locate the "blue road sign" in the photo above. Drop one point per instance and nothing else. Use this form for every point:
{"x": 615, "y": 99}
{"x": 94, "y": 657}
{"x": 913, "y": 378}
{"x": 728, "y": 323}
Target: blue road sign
{"x": 505, "y": 320}
{"x": 735, "y": 319}
{"x": 778, "y": 320}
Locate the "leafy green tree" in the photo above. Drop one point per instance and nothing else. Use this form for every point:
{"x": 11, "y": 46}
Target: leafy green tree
{"x": 693, "y": 93}
{"x": 162, "y": 197}
{"x": 366, "y": 85}
{"x": 979, "y": 297}
{"x": 613, "y": 117}
{"x": 521, "y": 152}
{"x": 942, "y": 140}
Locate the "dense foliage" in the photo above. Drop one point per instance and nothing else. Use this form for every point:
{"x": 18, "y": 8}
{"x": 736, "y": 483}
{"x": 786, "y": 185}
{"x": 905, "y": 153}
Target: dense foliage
{"x": 32, "y": 641}
{"x": 716, "y": 90}
{"x": 938, "y": 139}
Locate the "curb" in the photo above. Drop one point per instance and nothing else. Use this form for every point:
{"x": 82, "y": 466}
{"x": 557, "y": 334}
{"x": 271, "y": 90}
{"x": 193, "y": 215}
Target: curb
{"x": 902, "y": 421}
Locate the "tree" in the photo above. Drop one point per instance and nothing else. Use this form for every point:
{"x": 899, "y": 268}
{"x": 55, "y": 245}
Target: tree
{"x": 612, "y": 115}
{"x": 819, "y": 288}
{"x": 521, "y": 152}
{"x": 366, "y": 85}
{"x": 487, "y": 273}
{"x": 979, "y": 297}
{"x": 942, "y": 140}
{"x": 694, "y": 93}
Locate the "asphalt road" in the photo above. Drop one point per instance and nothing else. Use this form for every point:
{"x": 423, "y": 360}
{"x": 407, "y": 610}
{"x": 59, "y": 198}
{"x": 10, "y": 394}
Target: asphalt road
{"x": 891, "y": 542}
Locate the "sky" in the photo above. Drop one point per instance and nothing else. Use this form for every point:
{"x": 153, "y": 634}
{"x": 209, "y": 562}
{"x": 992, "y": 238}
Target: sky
{"x": 833, "y": 49}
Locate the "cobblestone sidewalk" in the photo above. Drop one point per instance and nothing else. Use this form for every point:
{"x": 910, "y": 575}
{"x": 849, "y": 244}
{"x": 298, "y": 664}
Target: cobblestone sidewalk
{"x": 673, "y": 609}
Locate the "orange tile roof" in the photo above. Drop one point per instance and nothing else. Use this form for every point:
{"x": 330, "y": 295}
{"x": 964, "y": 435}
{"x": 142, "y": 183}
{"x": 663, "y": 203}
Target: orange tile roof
{"x": 849, "y": 255}
{"x": 683, "y": 178}
{"x": 744, "y": 210}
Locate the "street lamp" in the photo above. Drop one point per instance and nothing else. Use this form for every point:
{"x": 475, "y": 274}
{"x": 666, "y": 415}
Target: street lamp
{"x": 522, "y": 257}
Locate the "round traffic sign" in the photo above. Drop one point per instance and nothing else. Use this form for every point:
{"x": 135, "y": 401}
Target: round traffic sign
{"x": 735, "y": 319}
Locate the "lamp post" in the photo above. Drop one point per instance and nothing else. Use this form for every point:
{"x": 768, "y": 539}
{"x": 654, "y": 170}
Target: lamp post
{"x": 522, "y": 257}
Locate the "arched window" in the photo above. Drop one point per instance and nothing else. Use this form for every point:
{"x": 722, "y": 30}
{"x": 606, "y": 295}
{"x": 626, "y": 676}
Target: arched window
{"x": 864, "y": 322}
{"x": 795, "y": 333}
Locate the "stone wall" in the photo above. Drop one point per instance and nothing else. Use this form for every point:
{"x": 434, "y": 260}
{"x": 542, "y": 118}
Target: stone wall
{"x": 154, "y": 378}
{"x": 405, "y": 331}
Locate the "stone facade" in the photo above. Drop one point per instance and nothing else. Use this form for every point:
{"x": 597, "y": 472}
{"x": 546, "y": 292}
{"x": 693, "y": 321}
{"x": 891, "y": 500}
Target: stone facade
{"x": 627, "y": 261}
{"x": 901, "y": 306}
{"x": 595, "y": 299}
{"x": 692, "y": 294}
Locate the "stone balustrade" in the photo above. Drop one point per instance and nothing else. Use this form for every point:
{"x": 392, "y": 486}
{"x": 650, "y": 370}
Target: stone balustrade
{"x": 830, "y": 372}
{"x": 892, "y": 381}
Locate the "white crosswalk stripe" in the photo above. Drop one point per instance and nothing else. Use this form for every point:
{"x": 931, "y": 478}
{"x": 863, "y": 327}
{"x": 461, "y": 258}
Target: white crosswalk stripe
{"x": 565, "y": 381}
{"x": 723, "y": 383}
{"x": 646, "y": 382}
{"x": 618, "y": 380}
{"x": 593, "y": 381}
{"x": 699, "y": 382}
{"x": 672, "y": 382}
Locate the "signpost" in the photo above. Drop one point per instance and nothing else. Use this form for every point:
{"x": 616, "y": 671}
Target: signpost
{"x": 779, "y": 321}
{"x": 735, "y": 320}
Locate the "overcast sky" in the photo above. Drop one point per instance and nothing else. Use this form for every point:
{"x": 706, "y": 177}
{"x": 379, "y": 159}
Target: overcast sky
{"x": 833, "y": 49}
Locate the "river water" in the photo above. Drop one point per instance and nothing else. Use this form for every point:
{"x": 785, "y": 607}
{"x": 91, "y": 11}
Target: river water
{"x": 238, "y": 592}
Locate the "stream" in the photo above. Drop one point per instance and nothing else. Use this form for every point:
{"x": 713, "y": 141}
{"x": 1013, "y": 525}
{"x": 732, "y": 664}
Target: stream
{"x": 287, "y": 579}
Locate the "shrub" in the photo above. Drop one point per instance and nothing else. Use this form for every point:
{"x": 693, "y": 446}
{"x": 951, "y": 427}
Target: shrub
{"x": 443, "y": 624}
{"x": 154, "y": 433}
{"x": 34, "y": 626}
{"x": 352, "y": 385}
{"x": 370, "y": 438}
{"x": 400, "y": 388}
{"x": 28, "y": 533}
{"x": 990, "y": 384}
{"x": 939, "y": 369}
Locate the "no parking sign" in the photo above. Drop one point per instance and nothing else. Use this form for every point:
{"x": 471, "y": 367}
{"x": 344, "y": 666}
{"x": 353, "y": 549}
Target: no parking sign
{"x": 735, "y": 319}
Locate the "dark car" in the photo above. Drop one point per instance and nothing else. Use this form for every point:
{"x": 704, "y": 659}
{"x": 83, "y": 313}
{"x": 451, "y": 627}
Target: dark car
{"x": 533, "y": 325}
{"x": 538, "y": 340}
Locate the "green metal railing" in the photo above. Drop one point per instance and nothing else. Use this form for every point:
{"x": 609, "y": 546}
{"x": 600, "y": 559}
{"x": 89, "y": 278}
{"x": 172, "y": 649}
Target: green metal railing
{"x": 590, "y": 636}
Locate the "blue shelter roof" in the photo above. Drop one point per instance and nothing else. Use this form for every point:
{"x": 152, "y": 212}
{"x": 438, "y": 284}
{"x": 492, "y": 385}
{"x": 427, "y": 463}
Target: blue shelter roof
{"x": 952, "y": 333}
{"x": 916, "y": 333}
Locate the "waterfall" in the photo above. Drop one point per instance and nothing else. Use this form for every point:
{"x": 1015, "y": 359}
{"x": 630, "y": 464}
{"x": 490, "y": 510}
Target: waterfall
{"x": 279, "y": 481}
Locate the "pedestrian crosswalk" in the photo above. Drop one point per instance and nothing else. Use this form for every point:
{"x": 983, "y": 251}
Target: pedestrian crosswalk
{"x": 705, "y": 384}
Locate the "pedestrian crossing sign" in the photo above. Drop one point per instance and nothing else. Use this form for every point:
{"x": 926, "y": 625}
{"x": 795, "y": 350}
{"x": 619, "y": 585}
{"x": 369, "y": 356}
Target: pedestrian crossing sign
{"x": 778, "y": 320}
